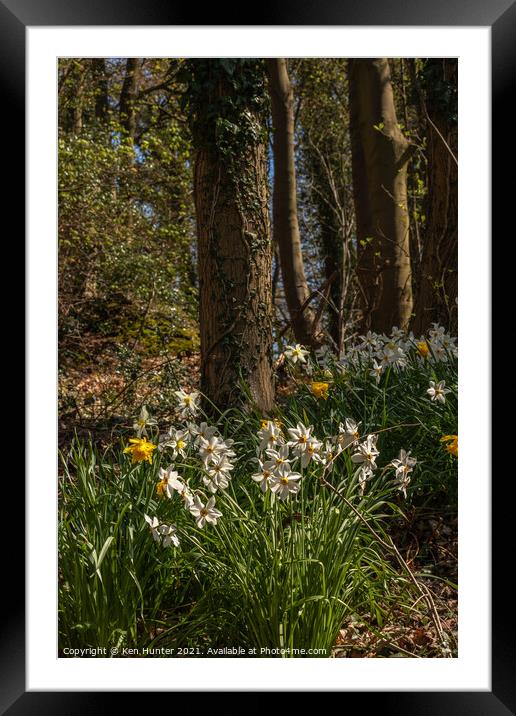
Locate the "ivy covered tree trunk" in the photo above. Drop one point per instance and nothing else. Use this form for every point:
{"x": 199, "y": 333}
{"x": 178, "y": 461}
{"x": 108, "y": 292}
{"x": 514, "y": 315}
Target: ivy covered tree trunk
{"x": 438, "y": 283}
{"x": 227, "y": 106}
{"x": 285, "y": 221}
{"x": 380, "y": 154}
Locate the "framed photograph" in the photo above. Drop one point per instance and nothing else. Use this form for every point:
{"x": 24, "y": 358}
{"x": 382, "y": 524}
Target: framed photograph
{"x": 129, "y": 564}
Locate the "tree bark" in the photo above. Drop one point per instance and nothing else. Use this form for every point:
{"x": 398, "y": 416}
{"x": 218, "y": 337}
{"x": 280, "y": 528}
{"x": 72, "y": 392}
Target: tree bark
{"x": 101, "y": 88}
{"x": 380, "y": 154}
{"x": 285, "y": 220}
{"x": 438, "y": 285}
{"x": 128, "y": 98}
{"x": 76, "y": 77}
{"x": 234, "y": 243}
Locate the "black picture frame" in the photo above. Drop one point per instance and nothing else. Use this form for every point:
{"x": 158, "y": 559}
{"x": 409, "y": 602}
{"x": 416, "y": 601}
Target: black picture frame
{"x": 500, "y": 15}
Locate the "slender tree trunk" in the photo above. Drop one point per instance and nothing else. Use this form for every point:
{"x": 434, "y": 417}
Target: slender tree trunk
{"x": 332, "y": 250}
{"x": 275, "y": 274}
{"x": 285, "y": 220}
{"x": 380, "y": 154}
{"x": 101, "y": 88}
{"x": 127, "y": 116}
{"x": 234, "y": 243}
{"x": 128, "y": 98}
{"x": 436, "y": 298}
{"x": 78, "y": 74}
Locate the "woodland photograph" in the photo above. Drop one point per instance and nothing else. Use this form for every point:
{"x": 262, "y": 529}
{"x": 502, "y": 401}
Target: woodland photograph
{"x": 258, "y": 357}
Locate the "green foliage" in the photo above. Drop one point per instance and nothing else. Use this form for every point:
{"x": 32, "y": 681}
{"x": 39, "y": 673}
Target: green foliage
{"x": 125, "y": 212}
{"x": 399, "y": 406}
{"x": 284, "y": 576}
{"x": 271, "y": 574}
{"x": 111, "y": 582}
{"x": 222, "y": 101}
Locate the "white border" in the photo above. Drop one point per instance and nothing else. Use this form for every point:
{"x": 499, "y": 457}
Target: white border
{"x": 471, "y": 671}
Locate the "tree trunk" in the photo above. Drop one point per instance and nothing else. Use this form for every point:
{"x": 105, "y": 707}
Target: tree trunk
{"x": 380, "y": 154}
{"x": 101, "y": 88}
{"x": 438, "y": 284}
{"x": 128, "y": 98}
{"x": 127, "y": 116}
{"x": 234, "y": 244}
{"x": 76, "y": 107}
{"x": 285, "y": 221}
{"x": 332, "y": 246}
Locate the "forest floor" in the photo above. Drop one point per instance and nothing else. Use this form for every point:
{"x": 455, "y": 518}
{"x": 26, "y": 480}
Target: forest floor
{"x": 99, "y": 398}
{"x": 429, "y": 546}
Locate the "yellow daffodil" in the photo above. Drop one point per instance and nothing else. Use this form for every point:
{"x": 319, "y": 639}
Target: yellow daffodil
{"x": 452, "y": 444}
{"x": 320, "y": 390}
{"x": 141, "y": 449}
{"x": 423, "y": 349}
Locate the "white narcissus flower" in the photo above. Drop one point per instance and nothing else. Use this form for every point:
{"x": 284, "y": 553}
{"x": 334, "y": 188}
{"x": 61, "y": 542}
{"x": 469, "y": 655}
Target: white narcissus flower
{"x": 403, "y": 481}
{"x": 153, "y": 523}
{"x": 201, "y": 431}
{"x": 386, "y": 356}
{"x": 369, "y": 341}
{"x": 227, "y": 445}
{"x": 204, "y": 513}
{"x": 397, "y": 333}
{"x": 348, "y": 433}
{"x": 399, "y": 359}
{"x": 299, "y": 437}
{"x": 437, "y": 391}
{"x": 264, "y": 477}
{"x": 278, "y": 456}
{"x": 169, "y": 535}
{"x": 187, "y": 402}
{"x": 214, "y": 484}
{"x": 270, "y": 435}
{"x": 186, "y": 495}
{"x": 364, "y": 474}
{"x": 312, "y": 452}
{"x": 296, "y": 353}
{"x": 436, "y": 332}
{"x": 218, "y": 473}
{"x": 329, "y": 453}
{"x": 367, "y": 453}
{"x": 448, "y": 343}
{"x": 164, "y": 534}
{"x": 211, "y": 448}
{"x": 438, "y": 352}
{"x": 376, "y": 371}
{"x": 176, "y": 440}
{"x": 169, "y": 481}
{"x": 143, "y": 420}
{"x": 404, "y": 465}
{"x": 285, "y": 482}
